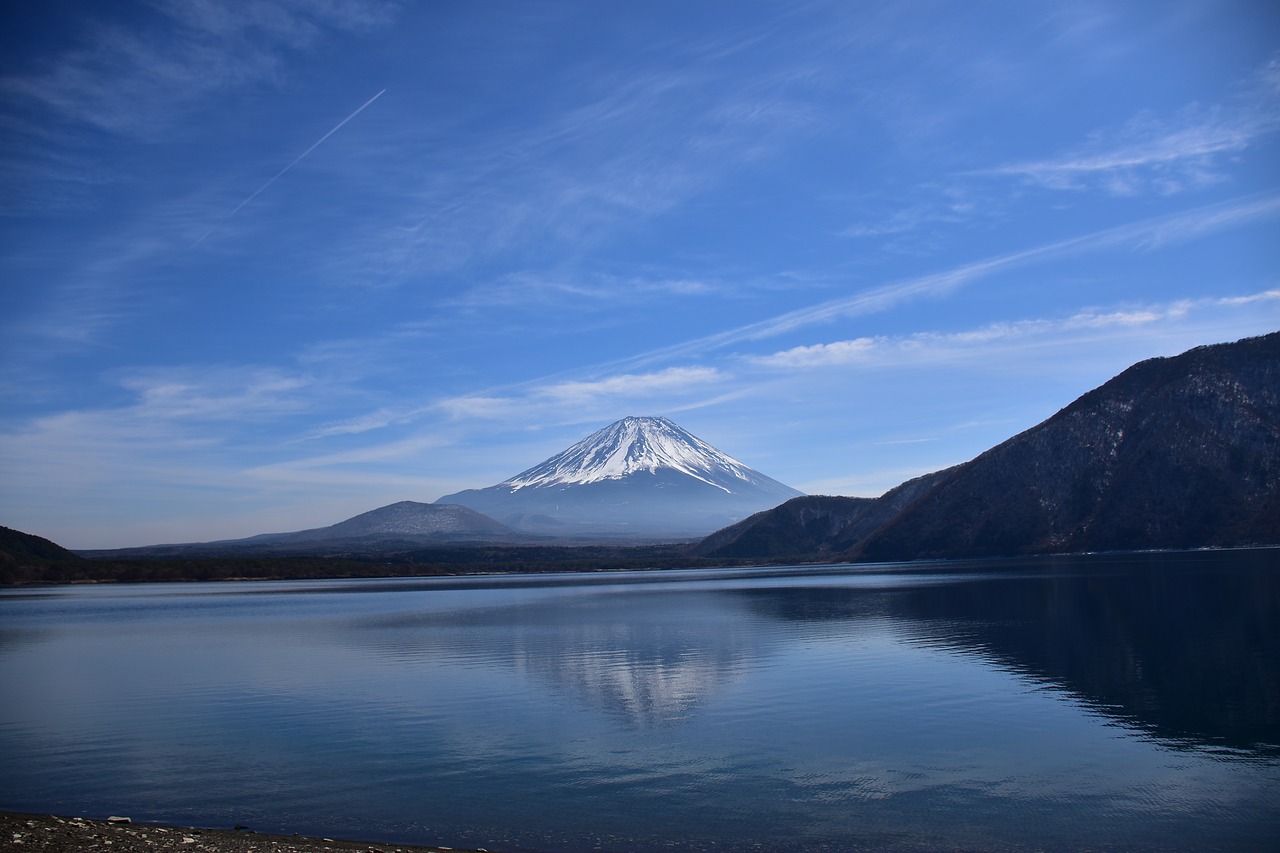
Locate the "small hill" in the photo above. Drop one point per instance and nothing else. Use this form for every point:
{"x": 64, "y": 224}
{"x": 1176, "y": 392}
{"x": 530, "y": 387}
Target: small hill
{"x": 397, "y": 527}
{"x": 801, "y": 527}
{"x": 813, "y": 526}
{"x": 406, "y": 518}
{"x": 26, "y": 549}
{"x": 25, "y": 557}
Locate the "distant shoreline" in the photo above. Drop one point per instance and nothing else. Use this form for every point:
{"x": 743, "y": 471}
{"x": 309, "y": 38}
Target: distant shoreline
{"x": 481, "y": 563}
{"x": 432, "y": 562}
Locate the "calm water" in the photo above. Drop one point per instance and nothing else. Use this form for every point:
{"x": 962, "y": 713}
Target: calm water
{"x": 1110, "y": 702}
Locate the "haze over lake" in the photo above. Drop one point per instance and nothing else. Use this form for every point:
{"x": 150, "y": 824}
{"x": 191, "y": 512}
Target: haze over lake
{"x": 1110, "y": 702}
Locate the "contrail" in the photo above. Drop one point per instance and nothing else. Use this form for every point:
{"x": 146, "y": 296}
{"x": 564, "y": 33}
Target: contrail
{"x": 295, "y": 162}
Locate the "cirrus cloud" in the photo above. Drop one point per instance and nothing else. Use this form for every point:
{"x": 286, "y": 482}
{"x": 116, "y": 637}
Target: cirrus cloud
{"x": 584, "y": 395}
{"x": 994, "y": 340}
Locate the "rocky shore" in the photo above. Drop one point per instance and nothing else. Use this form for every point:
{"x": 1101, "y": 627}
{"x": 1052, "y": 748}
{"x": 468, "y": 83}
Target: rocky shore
{"x": 29, "y": 833}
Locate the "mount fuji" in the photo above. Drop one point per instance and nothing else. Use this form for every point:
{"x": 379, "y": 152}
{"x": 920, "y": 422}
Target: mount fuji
{"x": 638, "y": 478}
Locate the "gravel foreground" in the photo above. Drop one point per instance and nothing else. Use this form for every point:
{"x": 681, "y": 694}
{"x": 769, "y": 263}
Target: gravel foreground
{"x": 29, "y": 833}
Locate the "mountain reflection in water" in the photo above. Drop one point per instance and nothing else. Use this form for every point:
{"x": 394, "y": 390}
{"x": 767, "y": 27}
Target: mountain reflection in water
{"x": 1149, "y": 640}
{"x": 1104, "y": 702}
{"x": 646, "y": 662}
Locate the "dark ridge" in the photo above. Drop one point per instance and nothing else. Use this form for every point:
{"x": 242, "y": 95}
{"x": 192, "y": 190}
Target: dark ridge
{"x": 1174, "y": 453}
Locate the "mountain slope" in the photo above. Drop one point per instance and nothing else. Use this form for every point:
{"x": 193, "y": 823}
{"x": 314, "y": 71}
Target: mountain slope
{"x": 801, "y": 527}
{"x": 24, "y": 556}
{"x": 637, "y": 477}
{"x": 1179, "y": 452}
{"x": 28, "y": 549}
{"x": 813, "y": 525}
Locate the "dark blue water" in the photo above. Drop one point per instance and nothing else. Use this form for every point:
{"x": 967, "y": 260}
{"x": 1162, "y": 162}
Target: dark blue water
{"x": 1113, "y": 703}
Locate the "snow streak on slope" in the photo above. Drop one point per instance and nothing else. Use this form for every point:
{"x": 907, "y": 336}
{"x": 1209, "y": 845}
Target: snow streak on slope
{"x": 635, "y": 445}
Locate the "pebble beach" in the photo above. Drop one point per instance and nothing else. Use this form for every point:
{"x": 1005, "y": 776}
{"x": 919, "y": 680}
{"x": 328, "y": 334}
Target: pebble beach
{"x": 30, "y": 833}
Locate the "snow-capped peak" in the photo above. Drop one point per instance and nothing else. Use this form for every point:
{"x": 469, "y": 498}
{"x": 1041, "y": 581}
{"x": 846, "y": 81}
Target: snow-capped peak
{"x": 634, "y": 445}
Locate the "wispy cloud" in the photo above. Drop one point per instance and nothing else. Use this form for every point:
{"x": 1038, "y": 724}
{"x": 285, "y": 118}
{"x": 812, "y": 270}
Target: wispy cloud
{"x": 603, "y": 389}
{"x": 145, "y": 74}
{"x": 352, "y": 465}
{"x": 1162, "y": 155}
{"x": 380, "y": 419}
{"x": 220, "y": 394}
{"x": 101, "y": 285}
{"x": 583, "y": 292}
{"x": 167, "y": 411}
{"x": 143, "y": 472}
{"x": 619, "y": 383}
{"x": 996, "y": 341}
{"x": 175, "y": 424}
{"x": 134, "y": 77}
{"x": 587, "y": 398}
{"x": 904, "y": 220}
{"x": 621, "y": 146}
{"x": 191, "y": 429}
{"x": 630, "y": 385}
{"x": 1166, "y": 159}
{"x": 1145, "y": 234}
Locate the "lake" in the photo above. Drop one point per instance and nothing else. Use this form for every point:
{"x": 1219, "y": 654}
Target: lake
{"x": 1109, "y": 702}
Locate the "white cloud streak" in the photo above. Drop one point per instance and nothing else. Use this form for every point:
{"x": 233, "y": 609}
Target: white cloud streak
{"x": 292, "y": 163}
{"x": 133, "y": 77}
{"x": 1167, "y": 156}
{"x": 995, "y": 341}
{"x": 355, "y": 463}
{"x": 1146, "y": 234}
{"x": 673, "y": 379}
{"x": 632, "y": 143}
{"x": 172, "y": 413}
{"x": 582, "y": 291}
{"x": 617, "y": 383}
{"x": 170, "y": 396}
{"x": 1172, "y": 161}
{"x": 379, "y": 419}
{"x": 581, "y": 397}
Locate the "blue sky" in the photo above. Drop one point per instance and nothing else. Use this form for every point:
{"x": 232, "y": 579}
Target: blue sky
{"x": 267, "y": 265}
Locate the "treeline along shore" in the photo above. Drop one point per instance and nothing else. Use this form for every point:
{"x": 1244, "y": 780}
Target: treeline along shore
{"x": 27, "y": 559}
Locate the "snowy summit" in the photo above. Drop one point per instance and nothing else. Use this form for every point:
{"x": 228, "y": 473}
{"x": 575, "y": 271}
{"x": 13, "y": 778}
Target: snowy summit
{"x": 633, "y": 445}
{"x": 640, "y": 476}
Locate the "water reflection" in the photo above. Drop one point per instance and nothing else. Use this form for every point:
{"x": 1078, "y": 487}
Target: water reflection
{"x": 651, "y": 670}
{"x": 1151, "y": 641}
{"x": 789, "y": 709}
{"x": 1184, "y": 656}
{"x": 648, "y": 658}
